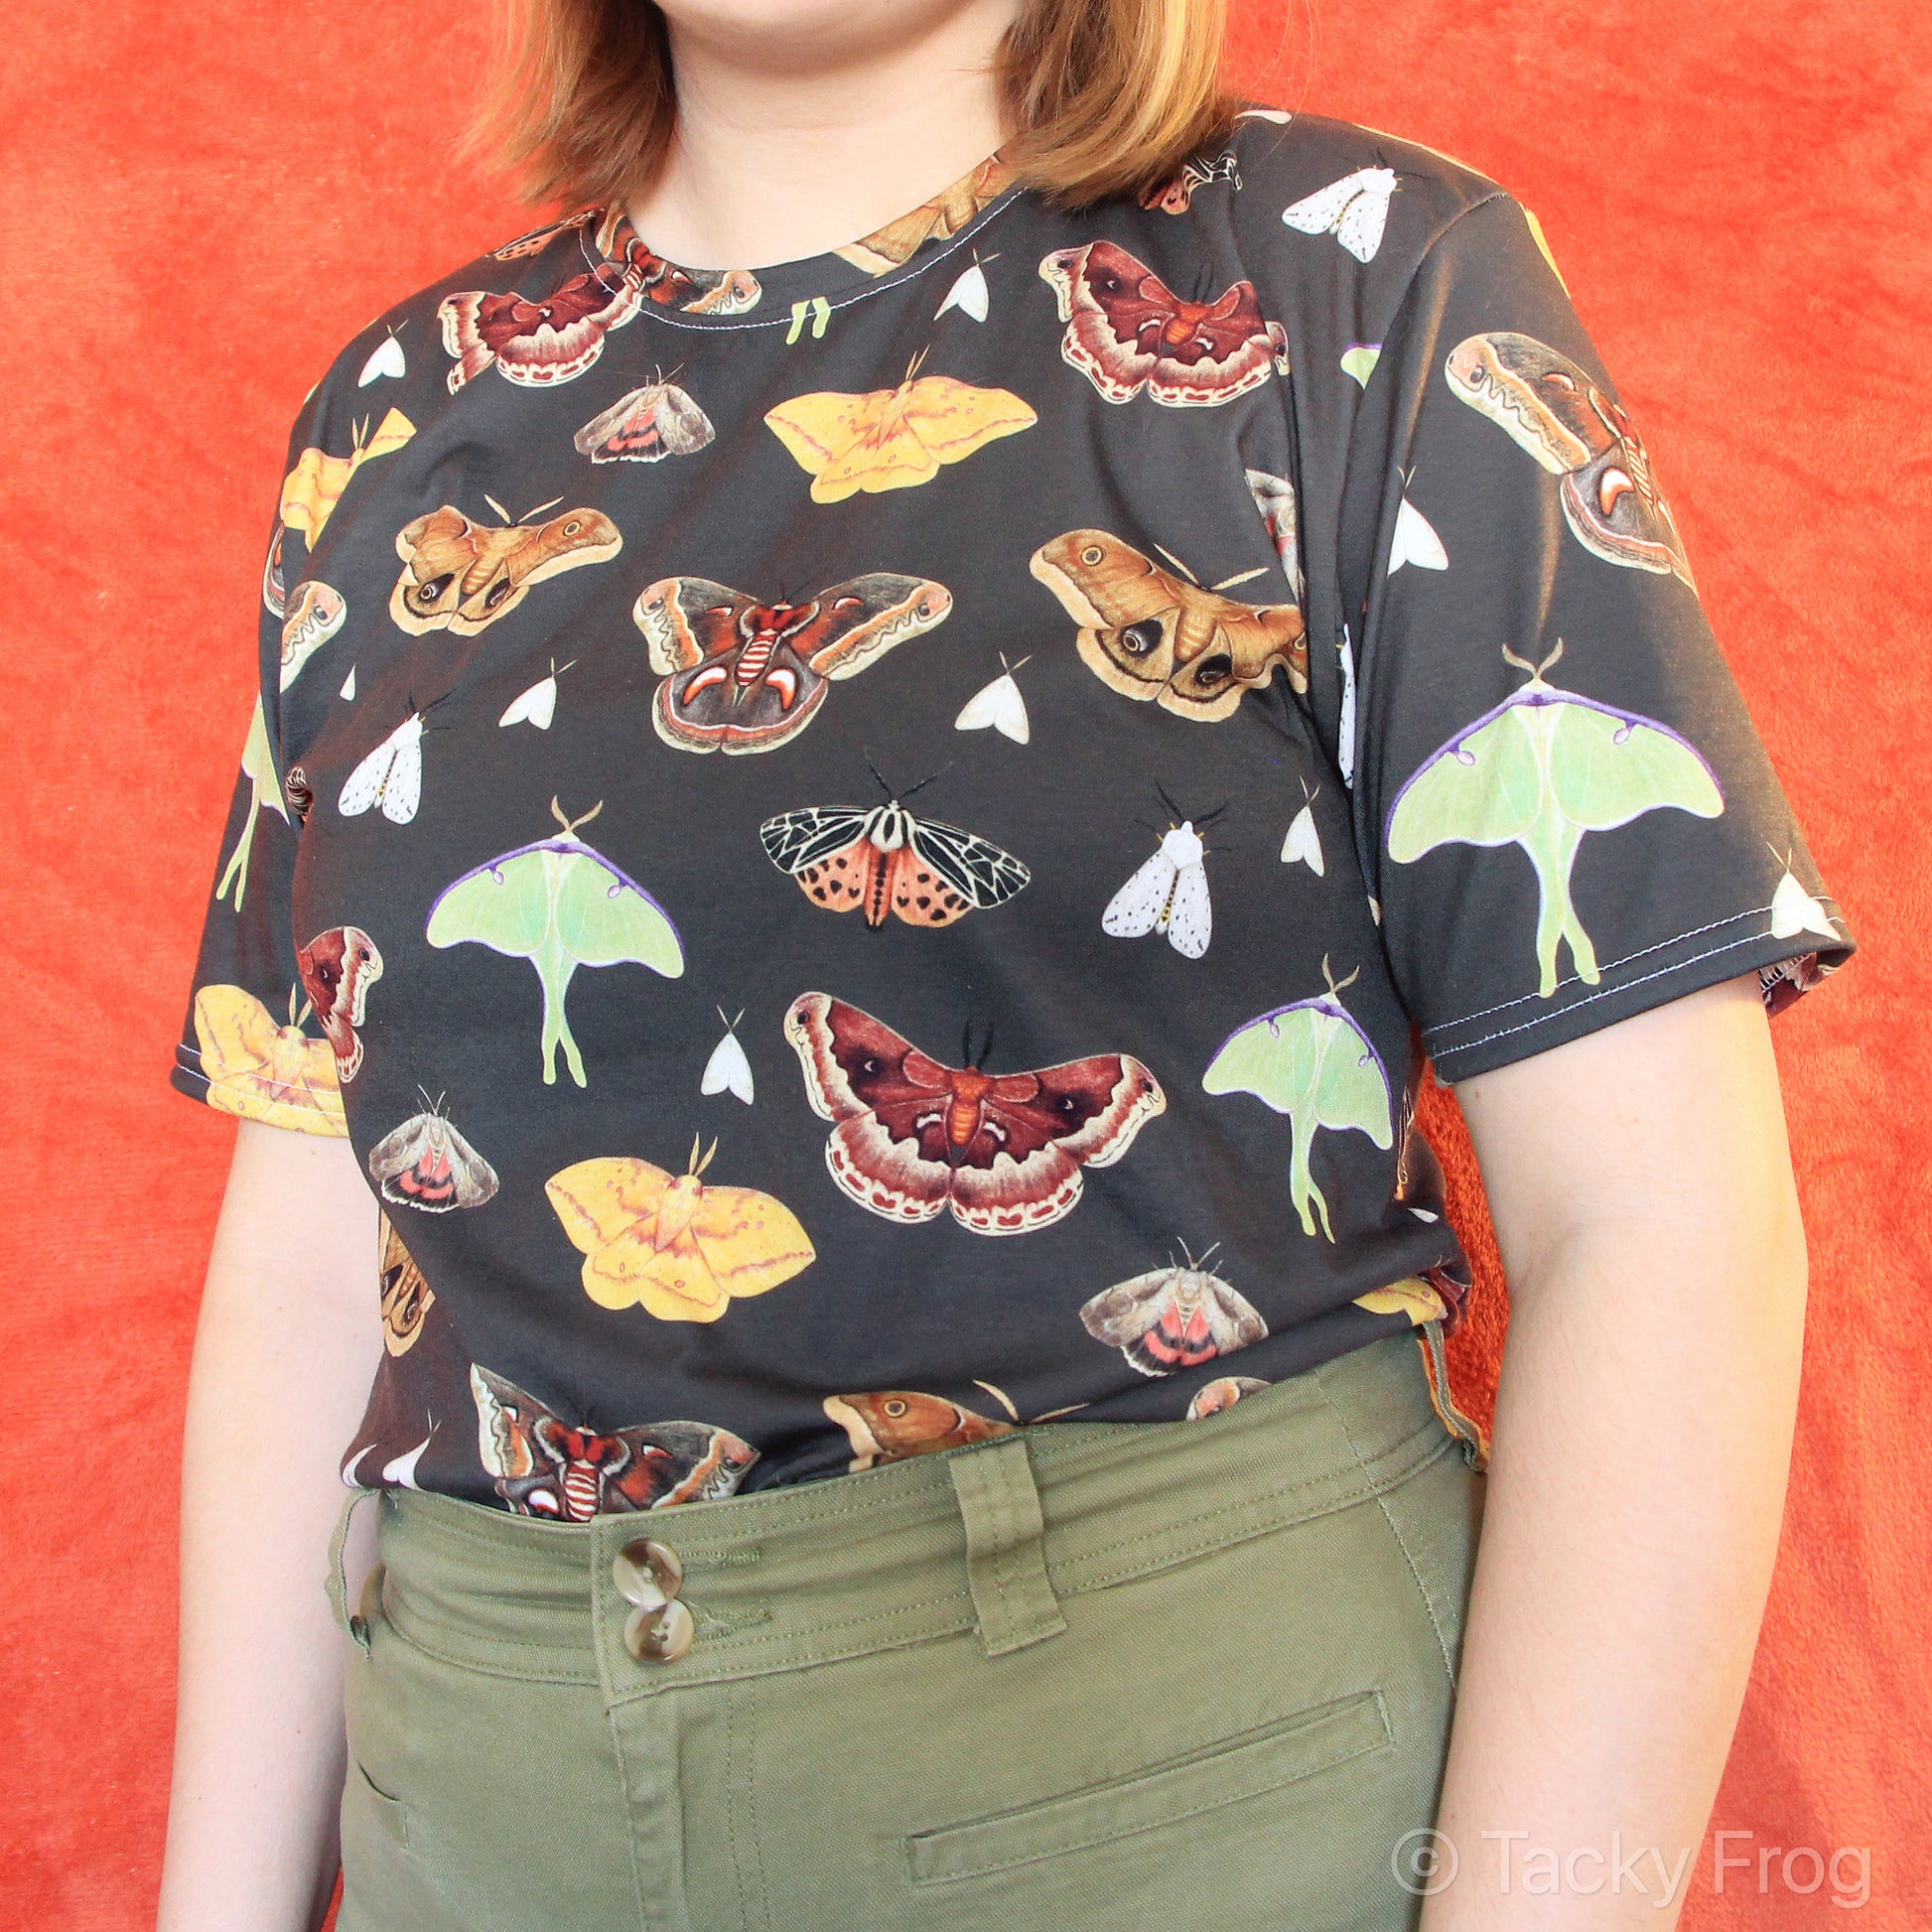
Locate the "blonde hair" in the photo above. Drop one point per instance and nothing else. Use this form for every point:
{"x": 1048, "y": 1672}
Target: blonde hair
{"x": 1099, "y": 96}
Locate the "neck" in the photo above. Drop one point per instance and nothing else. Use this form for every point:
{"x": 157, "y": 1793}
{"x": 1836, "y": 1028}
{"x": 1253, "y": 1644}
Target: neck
{"x": 798, "y": 136}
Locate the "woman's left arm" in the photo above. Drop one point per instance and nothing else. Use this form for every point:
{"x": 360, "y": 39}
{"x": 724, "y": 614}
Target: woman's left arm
{"x": 1640, "y": 1184}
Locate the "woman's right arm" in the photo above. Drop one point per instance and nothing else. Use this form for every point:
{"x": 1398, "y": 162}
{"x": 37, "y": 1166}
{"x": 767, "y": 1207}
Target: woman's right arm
{"x": 286, "y": 1346}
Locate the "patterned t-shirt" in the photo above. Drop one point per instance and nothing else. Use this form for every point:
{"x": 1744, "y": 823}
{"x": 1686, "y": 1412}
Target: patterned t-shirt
{"x": 869, "y": 852}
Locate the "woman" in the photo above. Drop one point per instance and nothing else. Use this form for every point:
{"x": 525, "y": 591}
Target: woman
{"x": 908, "y": 1380}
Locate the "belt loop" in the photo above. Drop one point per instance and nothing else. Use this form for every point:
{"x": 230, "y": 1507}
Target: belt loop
{"x": 1006, "y": 1562}
{"x": 1465, "y": 1428}
{"x": 336, "y": 1582}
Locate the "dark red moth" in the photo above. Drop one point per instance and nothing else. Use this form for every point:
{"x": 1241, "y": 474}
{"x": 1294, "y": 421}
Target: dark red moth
{"x": 337, "y": 968}
{"x": 743, "y": 676}
{"x": 913, "y": 1136}
{"x": 546, "y": 1466}
{"x": 1127, "y": 331}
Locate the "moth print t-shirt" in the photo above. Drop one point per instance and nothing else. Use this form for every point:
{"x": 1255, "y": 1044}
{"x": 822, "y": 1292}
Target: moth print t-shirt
{"x": 868, "y": 853}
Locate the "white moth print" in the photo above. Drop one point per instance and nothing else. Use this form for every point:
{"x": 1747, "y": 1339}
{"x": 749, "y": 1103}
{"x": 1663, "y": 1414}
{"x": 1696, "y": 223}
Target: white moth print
{"x": 401, "y": 1470}
{"x": 390, "y": 776}
{"x": 1795, "y": 911}
{"x": 1302, "y": 846}
{"x": 1354, "y": 210}
{"x": 1168, "y": 893}
{"x": 538, "y": 705}
{"x": 728, "y": 1070}
{"x": 969, "y": 294}
{"x": 349, "y": 686}
{"x": 1345, "y": 728}
{"x": 999, "y": 704}
{"x": 386, "y": 358}
{"x": 1416, "y": 541}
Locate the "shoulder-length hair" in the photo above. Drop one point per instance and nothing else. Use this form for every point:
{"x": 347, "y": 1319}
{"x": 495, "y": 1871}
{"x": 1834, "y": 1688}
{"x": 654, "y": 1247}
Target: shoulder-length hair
{"x": 1098, "y": 96}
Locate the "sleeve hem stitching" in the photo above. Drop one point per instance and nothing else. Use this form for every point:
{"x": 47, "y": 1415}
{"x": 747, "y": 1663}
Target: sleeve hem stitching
{"x": 1611, "y": 992}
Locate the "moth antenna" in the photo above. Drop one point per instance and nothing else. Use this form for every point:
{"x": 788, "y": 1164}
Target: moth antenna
{"x": 881, "y": 776}
{"x": 1308, "y": 797}
{"x": 690, "y": 1165}
{"x": 496, "y": 506}
{"x": 1551, "y": 659}
{"x": 965, "y": 1038}
{"x": 1010, "y": 668}
{"x": 557, "y": 670}
{"x": 708, "y": 1153}
{"x": 1048, "y": 1415}
{"x": 1179, "y": 814}
{"x": 1208, "y": 818}
{"x": 540, "y": 510}
{"x": 926, "y": 780}
{"x": 986, "y": 1045}
{"x": 1241, "y": 577}
{"x": 1208, "y": 1254}
{"x": 570, "y": 825}
{"x": 1000, "y": 1396}
{"x": 1336, "y": 985}
{"x": 741, "y": 1016}
{"x": 1178, "y": 564}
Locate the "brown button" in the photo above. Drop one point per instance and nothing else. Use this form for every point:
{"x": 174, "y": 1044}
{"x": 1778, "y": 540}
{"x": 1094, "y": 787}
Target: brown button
{"x": 647, "y": 1572}
{"x": 661, "y": 1635}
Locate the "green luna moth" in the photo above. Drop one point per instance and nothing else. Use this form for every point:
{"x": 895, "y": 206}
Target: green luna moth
{"x": 1539, "y": 770}
{"x": 1313, "y": 1063}
{"x": 560, "y": 904}
{"x": 258, "y": 767}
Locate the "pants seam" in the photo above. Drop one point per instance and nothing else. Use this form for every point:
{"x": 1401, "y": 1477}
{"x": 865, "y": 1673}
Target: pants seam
{"x": 1401, "y": 1542}
{"x": 630, "y": 1809}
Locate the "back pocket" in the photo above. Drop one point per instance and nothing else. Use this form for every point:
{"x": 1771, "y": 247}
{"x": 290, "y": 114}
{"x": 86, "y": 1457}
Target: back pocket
{"x": 1243, "y": 1766}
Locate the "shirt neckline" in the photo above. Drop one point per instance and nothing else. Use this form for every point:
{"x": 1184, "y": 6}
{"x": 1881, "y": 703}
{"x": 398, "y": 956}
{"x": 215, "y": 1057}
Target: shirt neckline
{"x": 903, "y": 246}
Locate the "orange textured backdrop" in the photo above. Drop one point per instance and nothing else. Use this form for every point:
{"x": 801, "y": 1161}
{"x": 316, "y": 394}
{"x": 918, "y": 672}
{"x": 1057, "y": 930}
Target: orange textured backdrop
{"x": 205, "y": 203}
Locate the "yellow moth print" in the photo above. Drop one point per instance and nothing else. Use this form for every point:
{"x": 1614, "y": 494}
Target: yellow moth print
{"x": 668, "y": 1243}
{"x": 893, "y": 439}
{"x": 1412, "y": 1297}
{"x": 259, "y": 1069}
{"x": 313, "y": 488}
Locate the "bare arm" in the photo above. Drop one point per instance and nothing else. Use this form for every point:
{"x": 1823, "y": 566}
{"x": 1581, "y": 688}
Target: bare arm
{"x": 1641, "y": 1188}
{"x": 286, "y": 1345}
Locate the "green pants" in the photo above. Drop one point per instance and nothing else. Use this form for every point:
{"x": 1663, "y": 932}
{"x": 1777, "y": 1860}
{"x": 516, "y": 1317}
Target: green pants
{"x": 1140, "y": 1675}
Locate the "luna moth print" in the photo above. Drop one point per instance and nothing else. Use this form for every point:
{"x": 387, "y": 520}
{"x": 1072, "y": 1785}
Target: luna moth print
{"x": 1540, "y": 771}
{"x": 1312, "y": 1062}
{"x": 258, "y": 767}
{"x": 560, "y": 904}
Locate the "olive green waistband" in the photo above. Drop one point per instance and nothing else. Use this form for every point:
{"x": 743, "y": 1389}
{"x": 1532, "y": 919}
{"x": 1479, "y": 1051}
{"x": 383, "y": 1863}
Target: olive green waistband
{"x": 986, "y": 1537}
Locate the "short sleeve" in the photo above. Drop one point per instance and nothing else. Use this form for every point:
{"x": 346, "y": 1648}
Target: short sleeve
{"x": 1564, "y": 809}
{"x": 255, "y": 1043}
